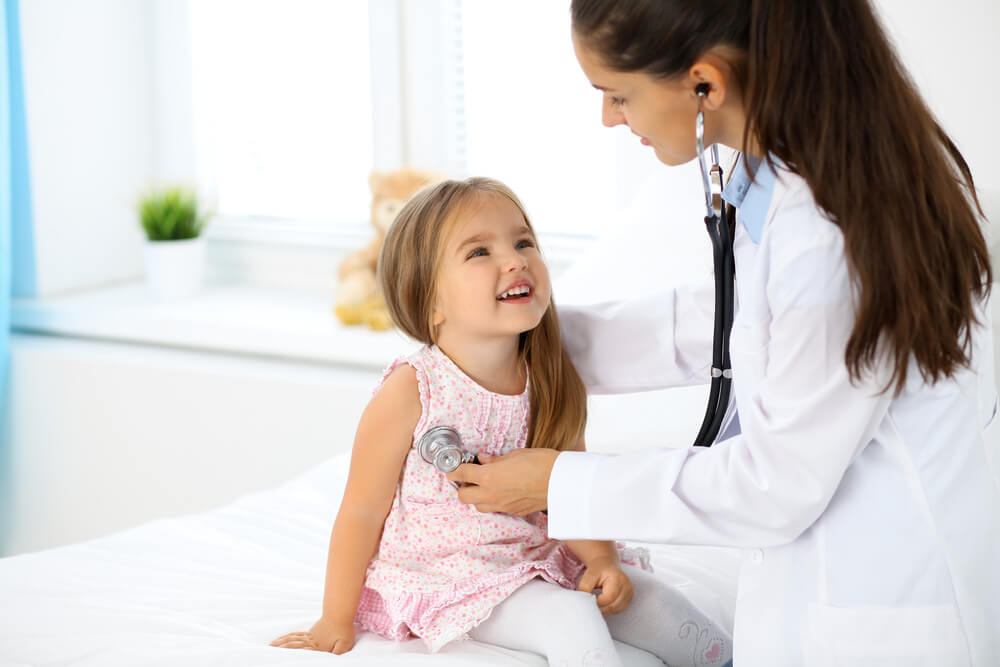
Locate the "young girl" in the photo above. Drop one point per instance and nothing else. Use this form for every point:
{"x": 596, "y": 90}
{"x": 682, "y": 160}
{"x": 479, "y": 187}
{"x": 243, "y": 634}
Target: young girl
{"x": 462, "y": 273}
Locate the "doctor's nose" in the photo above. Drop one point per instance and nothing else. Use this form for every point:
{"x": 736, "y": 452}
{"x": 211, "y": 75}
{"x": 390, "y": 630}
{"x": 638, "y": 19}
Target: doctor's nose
{"x": 611, "y": 115}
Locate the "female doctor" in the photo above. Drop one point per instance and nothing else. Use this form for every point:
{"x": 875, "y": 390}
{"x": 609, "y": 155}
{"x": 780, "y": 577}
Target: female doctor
{"x": 856, "y": 468}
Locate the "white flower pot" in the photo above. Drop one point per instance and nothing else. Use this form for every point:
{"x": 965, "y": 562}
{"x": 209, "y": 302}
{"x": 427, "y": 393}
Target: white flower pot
{"x": 174, "y": 268}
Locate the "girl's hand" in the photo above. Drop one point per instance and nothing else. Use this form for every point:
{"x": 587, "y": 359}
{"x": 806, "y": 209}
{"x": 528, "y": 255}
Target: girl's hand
{"x": 323, "y": 636}
{"x": 616, "y": 587}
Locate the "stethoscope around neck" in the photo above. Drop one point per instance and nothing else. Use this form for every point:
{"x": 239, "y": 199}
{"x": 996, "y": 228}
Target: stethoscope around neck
{"x": 717, "y": 220}
{"x": 442, "y": 446}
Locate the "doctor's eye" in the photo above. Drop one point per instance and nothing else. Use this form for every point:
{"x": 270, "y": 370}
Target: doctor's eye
{"x": 478, "y": 252}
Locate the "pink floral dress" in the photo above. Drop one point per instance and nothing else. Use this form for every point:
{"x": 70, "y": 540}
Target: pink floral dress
{"x": 442, "y": 566}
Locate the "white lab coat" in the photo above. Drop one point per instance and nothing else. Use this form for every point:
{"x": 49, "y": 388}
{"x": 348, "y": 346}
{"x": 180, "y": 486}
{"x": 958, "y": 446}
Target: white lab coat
{"x": 871, "y": 523}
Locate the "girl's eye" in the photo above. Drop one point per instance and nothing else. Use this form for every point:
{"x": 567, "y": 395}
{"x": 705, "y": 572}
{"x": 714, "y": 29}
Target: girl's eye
{"x": 617, "y": 102}
{"x": 525, "y": 243}
{"x": 478, "y": 252}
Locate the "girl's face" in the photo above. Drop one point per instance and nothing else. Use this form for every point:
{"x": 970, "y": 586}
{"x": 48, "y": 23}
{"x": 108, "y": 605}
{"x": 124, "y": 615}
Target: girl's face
{"x": 661, "y": 112}
{"x": 492, "y": 280}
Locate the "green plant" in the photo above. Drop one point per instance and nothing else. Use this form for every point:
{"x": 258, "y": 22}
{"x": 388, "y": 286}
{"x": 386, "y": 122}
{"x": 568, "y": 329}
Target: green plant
{"x": 171, "y": 215}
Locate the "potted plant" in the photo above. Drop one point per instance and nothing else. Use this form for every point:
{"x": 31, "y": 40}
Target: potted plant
{"x": 174, "y": 251}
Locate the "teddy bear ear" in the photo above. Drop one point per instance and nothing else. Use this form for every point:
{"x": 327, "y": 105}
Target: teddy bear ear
{"x": 375, "y": 180}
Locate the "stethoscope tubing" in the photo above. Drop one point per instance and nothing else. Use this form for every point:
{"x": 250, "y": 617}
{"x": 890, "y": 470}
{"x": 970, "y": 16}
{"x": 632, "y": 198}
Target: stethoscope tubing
{"x": 721, "y": 383}
{"x": 717, "y": 222}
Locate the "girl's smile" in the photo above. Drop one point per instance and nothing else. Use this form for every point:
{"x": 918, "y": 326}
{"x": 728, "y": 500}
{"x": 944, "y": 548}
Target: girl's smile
{"x": 518, "y": 292}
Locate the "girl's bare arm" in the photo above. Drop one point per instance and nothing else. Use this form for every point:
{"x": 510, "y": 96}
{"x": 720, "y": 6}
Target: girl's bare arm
{"x": 382, "y": 441}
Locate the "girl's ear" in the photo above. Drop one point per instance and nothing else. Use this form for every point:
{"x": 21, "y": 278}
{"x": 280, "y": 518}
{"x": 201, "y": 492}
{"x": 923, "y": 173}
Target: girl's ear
{"x": 437, "y": 317}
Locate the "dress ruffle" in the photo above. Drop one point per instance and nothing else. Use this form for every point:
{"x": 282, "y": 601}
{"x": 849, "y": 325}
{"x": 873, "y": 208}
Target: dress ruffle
{"x": 398, "y": 615}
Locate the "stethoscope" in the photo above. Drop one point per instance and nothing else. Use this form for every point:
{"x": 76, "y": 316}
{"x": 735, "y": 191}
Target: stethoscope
{"x": 717, "y": 221}
{"x": 442, "y": 447}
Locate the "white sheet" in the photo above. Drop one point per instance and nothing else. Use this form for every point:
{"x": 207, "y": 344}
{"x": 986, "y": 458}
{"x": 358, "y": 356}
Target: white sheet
{"x": 214, "y": 589}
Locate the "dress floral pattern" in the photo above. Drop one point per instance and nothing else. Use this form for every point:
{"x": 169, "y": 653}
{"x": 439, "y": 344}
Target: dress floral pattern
{"x": 442, "y": 566}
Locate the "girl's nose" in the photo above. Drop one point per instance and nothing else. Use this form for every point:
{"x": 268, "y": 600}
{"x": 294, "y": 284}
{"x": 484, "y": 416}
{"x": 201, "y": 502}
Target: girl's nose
{"x": 515, "y": 261}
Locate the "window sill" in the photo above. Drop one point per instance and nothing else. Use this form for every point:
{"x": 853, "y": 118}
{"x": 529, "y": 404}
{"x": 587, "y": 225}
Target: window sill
{"x": 234, "y": 319}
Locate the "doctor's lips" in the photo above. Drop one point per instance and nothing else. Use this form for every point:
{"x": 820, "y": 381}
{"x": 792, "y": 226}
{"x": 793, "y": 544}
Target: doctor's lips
{"x": 518, "y": 292}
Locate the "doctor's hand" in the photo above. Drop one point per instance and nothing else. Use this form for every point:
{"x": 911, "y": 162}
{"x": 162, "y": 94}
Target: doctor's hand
{"x": 515, "y": 483}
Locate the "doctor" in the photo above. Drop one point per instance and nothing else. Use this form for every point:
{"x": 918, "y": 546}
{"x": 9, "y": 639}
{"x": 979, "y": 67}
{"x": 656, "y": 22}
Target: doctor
{"x": 856, "y": 470}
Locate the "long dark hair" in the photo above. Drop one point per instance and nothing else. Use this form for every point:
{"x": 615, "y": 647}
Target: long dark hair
{"x": 825, "y": 93}
{"x": 407, "y": 276}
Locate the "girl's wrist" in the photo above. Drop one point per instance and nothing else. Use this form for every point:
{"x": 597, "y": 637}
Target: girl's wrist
{"x": 604, "y": 559}
{"x": 337, "y": 617}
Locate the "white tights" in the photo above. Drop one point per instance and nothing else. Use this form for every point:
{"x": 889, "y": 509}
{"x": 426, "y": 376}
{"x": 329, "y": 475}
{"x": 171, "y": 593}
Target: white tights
{"x": 568, "y": 629}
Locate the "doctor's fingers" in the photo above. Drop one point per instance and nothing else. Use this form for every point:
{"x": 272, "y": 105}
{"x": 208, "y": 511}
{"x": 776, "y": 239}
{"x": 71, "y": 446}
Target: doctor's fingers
{"x": 467, "y": 473}
{"x": 486, "y": 500}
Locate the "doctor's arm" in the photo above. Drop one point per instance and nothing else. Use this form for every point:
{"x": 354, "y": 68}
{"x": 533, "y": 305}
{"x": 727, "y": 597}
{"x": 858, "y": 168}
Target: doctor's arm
{"x": 604, "y": 569}
{"x": 803, "y": 421}
{"x": 645, "y": 343}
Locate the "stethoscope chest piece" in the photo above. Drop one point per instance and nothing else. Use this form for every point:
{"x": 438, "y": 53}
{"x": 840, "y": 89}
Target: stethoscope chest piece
{"x": 441, "y": 446}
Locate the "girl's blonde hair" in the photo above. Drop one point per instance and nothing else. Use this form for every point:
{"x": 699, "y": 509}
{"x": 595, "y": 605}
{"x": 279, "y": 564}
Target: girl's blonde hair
{"x": 407, "y": 277}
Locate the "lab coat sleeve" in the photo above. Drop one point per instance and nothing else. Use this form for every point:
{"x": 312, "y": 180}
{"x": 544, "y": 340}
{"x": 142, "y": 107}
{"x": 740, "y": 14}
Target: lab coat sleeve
{"x": 641, "y": 344}
{"x": 803, "y": 421}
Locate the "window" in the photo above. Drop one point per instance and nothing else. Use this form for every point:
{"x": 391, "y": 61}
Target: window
{"x": 283, "y": 114}
{"x": 533, "y": 119}
{"x": 287, "y": 130}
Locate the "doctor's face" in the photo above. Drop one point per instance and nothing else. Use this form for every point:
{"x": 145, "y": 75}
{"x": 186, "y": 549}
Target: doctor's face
{"x": 661, "y": 112}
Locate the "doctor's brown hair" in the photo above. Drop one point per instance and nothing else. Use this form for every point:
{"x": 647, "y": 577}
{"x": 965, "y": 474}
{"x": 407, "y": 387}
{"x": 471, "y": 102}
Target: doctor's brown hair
{"x": 407, "y": 277}
{"x": 825, "y": 93}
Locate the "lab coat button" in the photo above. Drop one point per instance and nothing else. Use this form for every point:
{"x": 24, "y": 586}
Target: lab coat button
{"x": 757, "y": 556}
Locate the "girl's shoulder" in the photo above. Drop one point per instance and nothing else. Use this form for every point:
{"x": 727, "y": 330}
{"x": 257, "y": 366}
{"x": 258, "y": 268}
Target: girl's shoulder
{"x": 407, "y": 381}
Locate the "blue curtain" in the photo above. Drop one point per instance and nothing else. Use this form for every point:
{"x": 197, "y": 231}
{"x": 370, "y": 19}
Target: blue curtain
{"x": 17, "y": 255}
{"x": 17, "y": 252}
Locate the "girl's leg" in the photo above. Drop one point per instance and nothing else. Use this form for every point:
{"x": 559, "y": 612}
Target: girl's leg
{"x": 662, "y": 621}
{"x": 564, "y": 626}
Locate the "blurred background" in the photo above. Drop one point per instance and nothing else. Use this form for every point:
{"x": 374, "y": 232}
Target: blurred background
{"x": 121, "y": 403}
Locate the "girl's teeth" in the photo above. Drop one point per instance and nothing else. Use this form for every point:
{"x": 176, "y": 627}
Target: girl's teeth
{"x": 517, "y": 291}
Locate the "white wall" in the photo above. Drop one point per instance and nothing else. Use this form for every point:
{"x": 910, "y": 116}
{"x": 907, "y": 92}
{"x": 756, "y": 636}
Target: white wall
{"x": 88, "y": 94}
{"x": 950, "y": 49}
{"x": 105, "y": 436}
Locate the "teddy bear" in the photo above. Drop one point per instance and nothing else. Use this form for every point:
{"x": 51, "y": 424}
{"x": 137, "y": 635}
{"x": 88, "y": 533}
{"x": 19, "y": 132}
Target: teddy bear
{"x": 357, "y": 298}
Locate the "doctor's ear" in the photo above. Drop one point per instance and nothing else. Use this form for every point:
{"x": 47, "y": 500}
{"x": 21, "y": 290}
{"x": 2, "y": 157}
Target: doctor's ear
{"x": 709, "y": 76}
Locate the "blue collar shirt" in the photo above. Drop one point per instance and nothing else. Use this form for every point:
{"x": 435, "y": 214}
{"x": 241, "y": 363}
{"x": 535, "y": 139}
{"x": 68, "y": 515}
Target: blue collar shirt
{"x": 749, "y": 190}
